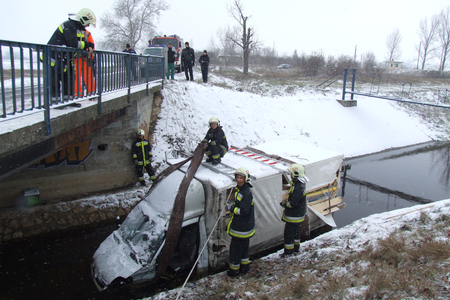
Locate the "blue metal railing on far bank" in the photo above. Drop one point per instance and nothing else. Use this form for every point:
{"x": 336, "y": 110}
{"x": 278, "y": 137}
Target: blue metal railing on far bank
{"x": 34, "y": 77}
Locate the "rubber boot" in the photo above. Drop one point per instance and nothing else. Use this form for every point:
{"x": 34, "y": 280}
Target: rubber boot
{"x": 296, "y": 248}
{"x": 287, "y": 252}
{"x": 216, "y": 161}
{"x": 244, "y": 269}
{"x": 232, "y": 273}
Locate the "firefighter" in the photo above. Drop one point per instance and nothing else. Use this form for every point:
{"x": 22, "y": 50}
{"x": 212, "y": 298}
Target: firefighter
{"x": 204, "y": 63}
{"x": 84, "y": 70}
{"x": 295, "y": 209}
{"x": 142, "y": 156}
{"x": 241, "y": 226}
{"x": 215, "y": 142}
{"x": 72, "y": 34}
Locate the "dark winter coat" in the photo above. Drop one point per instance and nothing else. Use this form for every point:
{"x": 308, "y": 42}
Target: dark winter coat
{"x": 295, "y": 207}
{"x": 142, "y": 152}
{"x": 204, "y": 61}
{"x": 242, "y": 222}
{"x": 71, "y": 34}
{"x": 171, "y": 55}
{"x": 188, "y": 55}
{"x": 216, "y": 137}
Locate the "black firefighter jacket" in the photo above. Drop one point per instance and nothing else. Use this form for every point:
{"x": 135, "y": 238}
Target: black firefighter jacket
{"x": 295, "y": 208}
{"x": 71, "y": 34}
{"x": 204, "y": 61}
{"x": 216, "y": 137}
{"x": 142, "y": 152}
{"x": 242, "y": 222}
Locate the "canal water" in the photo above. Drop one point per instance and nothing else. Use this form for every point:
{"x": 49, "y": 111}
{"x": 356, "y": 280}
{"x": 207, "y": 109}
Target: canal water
{"x": 58, "y": 266}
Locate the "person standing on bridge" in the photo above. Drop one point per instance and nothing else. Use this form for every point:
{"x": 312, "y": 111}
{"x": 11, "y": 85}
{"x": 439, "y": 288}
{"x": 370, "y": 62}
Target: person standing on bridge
{"x": 215, "y": 142}
{"x": 84, "y": 70}
{"x": 188, "y": 60}
{"x": 71, "y": 33}
{"x": 142, "y": 156}
{"x": 131, "y": 61}
{"x": 241, "y": 226}
{"x": 295, "y": 208}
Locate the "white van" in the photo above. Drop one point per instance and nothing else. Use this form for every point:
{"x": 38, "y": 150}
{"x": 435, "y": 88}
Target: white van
{"x": 132, "y": 253}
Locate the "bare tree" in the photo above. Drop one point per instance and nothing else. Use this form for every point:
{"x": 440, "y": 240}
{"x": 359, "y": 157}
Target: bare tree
{"x": 393, "y": 45}
{"x": 130, "y": 21}
{"x": 428, "y": 33}
{"x": 245, "y": 40}
{"x": 444, "y": 37}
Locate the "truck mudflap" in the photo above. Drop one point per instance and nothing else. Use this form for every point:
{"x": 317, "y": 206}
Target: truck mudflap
{"x": 177, "y": 215}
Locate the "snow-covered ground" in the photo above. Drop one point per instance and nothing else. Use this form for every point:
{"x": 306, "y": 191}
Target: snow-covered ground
{"x": 305, "y": 115}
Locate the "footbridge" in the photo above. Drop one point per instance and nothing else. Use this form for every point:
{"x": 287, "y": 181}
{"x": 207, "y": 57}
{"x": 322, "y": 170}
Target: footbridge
{"x": 68, "y": 119}
{"x": 403, "y": 91}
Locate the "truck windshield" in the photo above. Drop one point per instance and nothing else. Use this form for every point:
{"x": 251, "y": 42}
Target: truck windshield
{"x": 153, "y": 51}
{"x": 164, "y": 41}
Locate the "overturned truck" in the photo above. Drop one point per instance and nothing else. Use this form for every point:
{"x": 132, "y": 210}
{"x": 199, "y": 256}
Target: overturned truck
{"x": 184, "y": 209}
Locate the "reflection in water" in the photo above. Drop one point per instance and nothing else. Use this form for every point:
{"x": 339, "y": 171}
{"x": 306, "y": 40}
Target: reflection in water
{"x": 394, "y": 179}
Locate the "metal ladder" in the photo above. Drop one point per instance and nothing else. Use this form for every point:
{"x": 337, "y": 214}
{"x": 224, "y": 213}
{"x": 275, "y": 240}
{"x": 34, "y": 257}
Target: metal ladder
{"x": 260, "y": 156}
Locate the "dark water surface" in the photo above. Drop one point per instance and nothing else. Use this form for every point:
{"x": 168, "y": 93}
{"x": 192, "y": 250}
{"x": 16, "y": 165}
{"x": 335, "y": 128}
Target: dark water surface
{"x": 394, "y": 179}
{"x": 58, "y": 266}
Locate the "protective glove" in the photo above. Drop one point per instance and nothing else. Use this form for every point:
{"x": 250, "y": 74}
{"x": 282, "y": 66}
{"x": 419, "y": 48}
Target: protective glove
{"x": 213, "y": 143}
{"x": 88, "y": 45}
{"x": 283, "y": 203}
{"x": 228, "y": 207}
{"x": 136, "y": 162}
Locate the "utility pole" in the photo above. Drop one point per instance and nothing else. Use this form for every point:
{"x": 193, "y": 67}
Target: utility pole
{"x": 354, "y": 57}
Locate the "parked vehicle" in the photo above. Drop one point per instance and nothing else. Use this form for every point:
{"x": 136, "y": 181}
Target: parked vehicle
{"x": 177, "y": 43}
{"x": 152, "y": 65}
{"x": 134, "y": 253}
{"x": 283, "y": 66}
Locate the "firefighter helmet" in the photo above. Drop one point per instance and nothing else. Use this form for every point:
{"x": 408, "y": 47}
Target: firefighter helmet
{"x": 86, "y": 17}
{"x": 141, "y": 132}
{"x": 297, "y": 170}
{"x": 244, "y": 172}
{"x": 214, "y": 119}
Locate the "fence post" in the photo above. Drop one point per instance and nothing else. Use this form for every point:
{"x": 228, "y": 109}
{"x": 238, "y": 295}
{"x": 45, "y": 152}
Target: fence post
{"x": 344, "y": 84}
{"x": 353, "y": 82}
{"x": 47, "y": 83}
{"x": 99, "y": 82}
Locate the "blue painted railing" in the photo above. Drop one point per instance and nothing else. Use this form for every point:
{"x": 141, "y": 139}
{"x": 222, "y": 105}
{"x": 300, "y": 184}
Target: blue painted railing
{"x": 34, "y": 77}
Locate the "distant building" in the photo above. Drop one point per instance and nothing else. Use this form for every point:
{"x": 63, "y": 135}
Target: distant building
{"x": 393, "y": 64}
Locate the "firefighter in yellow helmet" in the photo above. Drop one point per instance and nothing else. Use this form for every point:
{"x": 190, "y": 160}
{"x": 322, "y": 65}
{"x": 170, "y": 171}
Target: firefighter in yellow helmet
{"x": 241, "y": 226}
{"x": 295, "y": 209}
{"x": 142, "y": 156}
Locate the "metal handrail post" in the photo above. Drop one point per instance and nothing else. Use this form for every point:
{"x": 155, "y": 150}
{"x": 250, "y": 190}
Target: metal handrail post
{"x": 344, "y": 84}
{"x": 353, "y": 82}
{"x": 99, "y": 83}
{"x": 47, "y": 90}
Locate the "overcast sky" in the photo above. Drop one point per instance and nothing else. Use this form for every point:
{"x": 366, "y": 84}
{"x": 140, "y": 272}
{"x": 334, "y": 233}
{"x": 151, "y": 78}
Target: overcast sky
{"x": 332, "y": 27}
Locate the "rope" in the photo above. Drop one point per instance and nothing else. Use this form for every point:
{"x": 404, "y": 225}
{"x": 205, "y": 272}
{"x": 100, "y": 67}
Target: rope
{"x": 201, "y": 252}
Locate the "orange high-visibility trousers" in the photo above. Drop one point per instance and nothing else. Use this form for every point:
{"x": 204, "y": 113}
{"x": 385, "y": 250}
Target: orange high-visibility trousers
{"x": 84, "y": 76}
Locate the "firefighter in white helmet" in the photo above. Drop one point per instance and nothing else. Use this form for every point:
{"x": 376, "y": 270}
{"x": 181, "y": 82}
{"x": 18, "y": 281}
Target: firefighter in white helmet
{"x": 215, "y": 142}
{"x": 142, "y": 157}
{"x": 295, "y": 209}
{"x": 241, "y": 226}
{"x": 71, "y": 33}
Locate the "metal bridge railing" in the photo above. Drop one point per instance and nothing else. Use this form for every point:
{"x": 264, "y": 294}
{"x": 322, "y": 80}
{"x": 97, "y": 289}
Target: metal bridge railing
{"x": 34, "y": 77}
{"x": 442, "y": 96}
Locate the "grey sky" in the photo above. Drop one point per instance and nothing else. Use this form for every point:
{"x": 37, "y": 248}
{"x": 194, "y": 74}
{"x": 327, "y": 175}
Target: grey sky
{"x": 332, "y": 27}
